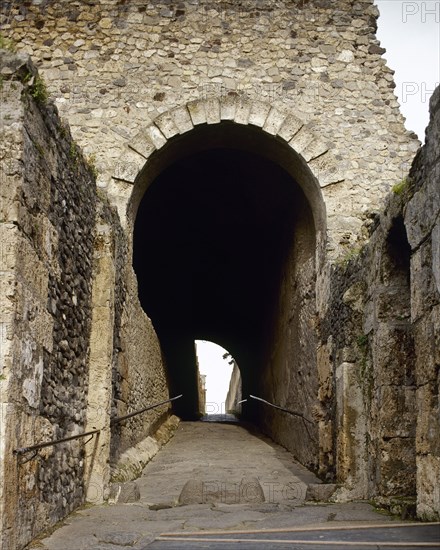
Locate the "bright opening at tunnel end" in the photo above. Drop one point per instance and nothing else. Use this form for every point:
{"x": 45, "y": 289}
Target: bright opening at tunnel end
{"x": 218, "y": 370}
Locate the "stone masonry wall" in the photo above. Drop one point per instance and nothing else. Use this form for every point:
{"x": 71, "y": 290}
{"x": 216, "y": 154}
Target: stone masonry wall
{"x": 69, "y": 312}
{"x": 139, "y": 376}
{"x": 114, "y": 66}
{"x": 48, "y": 218}
{"x": 379, "y": 357}
{"x": 290, "y": 379}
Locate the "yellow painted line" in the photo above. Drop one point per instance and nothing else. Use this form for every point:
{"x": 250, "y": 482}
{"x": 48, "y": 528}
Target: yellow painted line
{"x": 339, "y": 543}
{"x": 321, "y": 527}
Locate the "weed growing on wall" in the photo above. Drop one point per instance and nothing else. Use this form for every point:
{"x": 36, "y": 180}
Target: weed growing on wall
{"x": 6, "y": 44}
{"x": 400, "y": 187}
{"x": 91, "y": 164}
{"x": 39, "y": 91}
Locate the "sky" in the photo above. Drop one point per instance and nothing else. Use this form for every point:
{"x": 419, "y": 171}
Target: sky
{"x": 218, "y": 373}
{"x": 410, "y": 32}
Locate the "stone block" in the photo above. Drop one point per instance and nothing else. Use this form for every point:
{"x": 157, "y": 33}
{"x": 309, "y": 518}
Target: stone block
{"x": 242, "y": 111}
{"x": 227, "y": 107}
{"x": 325, "y": 370}
{"x": 212, "y": 109}
{"x": 424, "y": 294}
{"x": 143, "y": 145}
{"x": 397, "y": 412}
{"x": 435, "y": 243}
{"x": 119, "y": 193}
{"x": 423, "y": 209}
{"x": 290, "y": 127}
{"x": 301, "y": 140}
{"x": 320, "y": 492}
{"x": 325, "y": 170}
{"x": 428, "y": 487}
{"x": 314, "y": 149}
{"x": 197, "y": 112}
{"x": 393, "y": 355}
{"x": 156, "y": 136}
{"x": 128, "y": 166}
{"x": 9, "y": 243}
{"x": 123, "y": 493}
{"x": 258, "y": 113}
{"x": 351, "y": 430}
{"x": 274, "y": 121}
{"x": 166, "y": 125}
{"x": 427, "y": 347}
{"x": 182, "y": 119}
{"x": 428, "y": 414}
{"x": 397, "y": 469}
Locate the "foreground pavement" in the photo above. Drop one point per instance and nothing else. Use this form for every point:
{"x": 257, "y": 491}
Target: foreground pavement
{"x": 217, "y": 485}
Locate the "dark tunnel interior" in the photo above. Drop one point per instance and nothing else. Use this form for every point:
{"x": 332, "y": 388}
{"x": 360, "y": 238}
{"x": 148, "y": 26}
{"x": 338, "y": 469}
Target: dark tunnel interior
{"x": 212, "y": 236}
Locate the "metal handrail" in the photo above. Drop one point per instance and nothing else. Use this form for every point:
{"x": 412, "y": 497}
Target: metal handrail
{"x": 121, "y": 418}
{"x": 294, "y": 413}
{"x": 24, "y": 450}
{"x": 288, "y": 411}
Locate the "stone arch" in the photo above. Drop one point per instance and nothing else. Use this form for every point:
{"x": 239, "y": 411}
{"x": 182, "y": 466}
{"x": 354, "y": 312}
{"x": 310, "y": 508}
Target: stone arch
{"x": 315, "y": 168}
{"x": 278, "y": 138}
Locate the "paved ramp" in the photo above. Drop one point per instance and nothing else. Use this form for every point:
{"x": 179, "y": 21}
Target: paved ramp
{"x": 223, "y": 462}
{"x": 221, "y": 486}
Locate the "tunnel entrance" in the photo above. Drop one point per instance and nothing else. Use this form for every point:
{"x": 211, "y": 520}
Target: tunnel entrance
{"x": 224, "y": 250}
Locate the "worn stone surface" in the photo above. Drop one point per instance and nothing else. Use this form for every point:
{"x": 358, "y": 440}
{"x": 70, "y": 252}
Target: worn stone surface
{"x": 222, "y": 462}
{"x": 124, "y": 492}
{"x": 195, "y": 491}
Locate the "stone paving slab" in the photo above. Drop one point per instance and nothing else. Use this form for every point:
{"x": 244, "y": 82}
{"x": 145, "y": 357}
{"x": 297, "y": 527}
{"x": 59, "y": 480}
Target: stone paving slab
{"x": 226, "y": 453}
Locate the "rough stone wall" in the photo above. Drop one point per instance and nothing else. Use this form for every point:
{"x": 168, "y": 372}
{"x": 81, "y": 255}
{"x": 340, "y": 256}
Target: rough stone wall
{"x": 379, "y": 354}
{"x": 422, "y": 221}
{"x": 140, "y": 377}
{"x": 48, "y": 217}
{"x": 130, "y": 375}
{"x": 367, "y": 366}
{"x": 69, "y": 312}
{"x": 114, "y": 67}
{"x": 290, "y": 379}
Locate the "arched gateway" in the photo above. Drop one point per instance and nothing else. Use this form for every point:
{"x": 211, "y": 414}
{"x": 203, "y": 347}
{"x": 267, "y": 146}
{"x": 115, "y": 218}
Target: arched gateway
{"x": 229, "y": 224}
{"x": 241, "y": 157}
